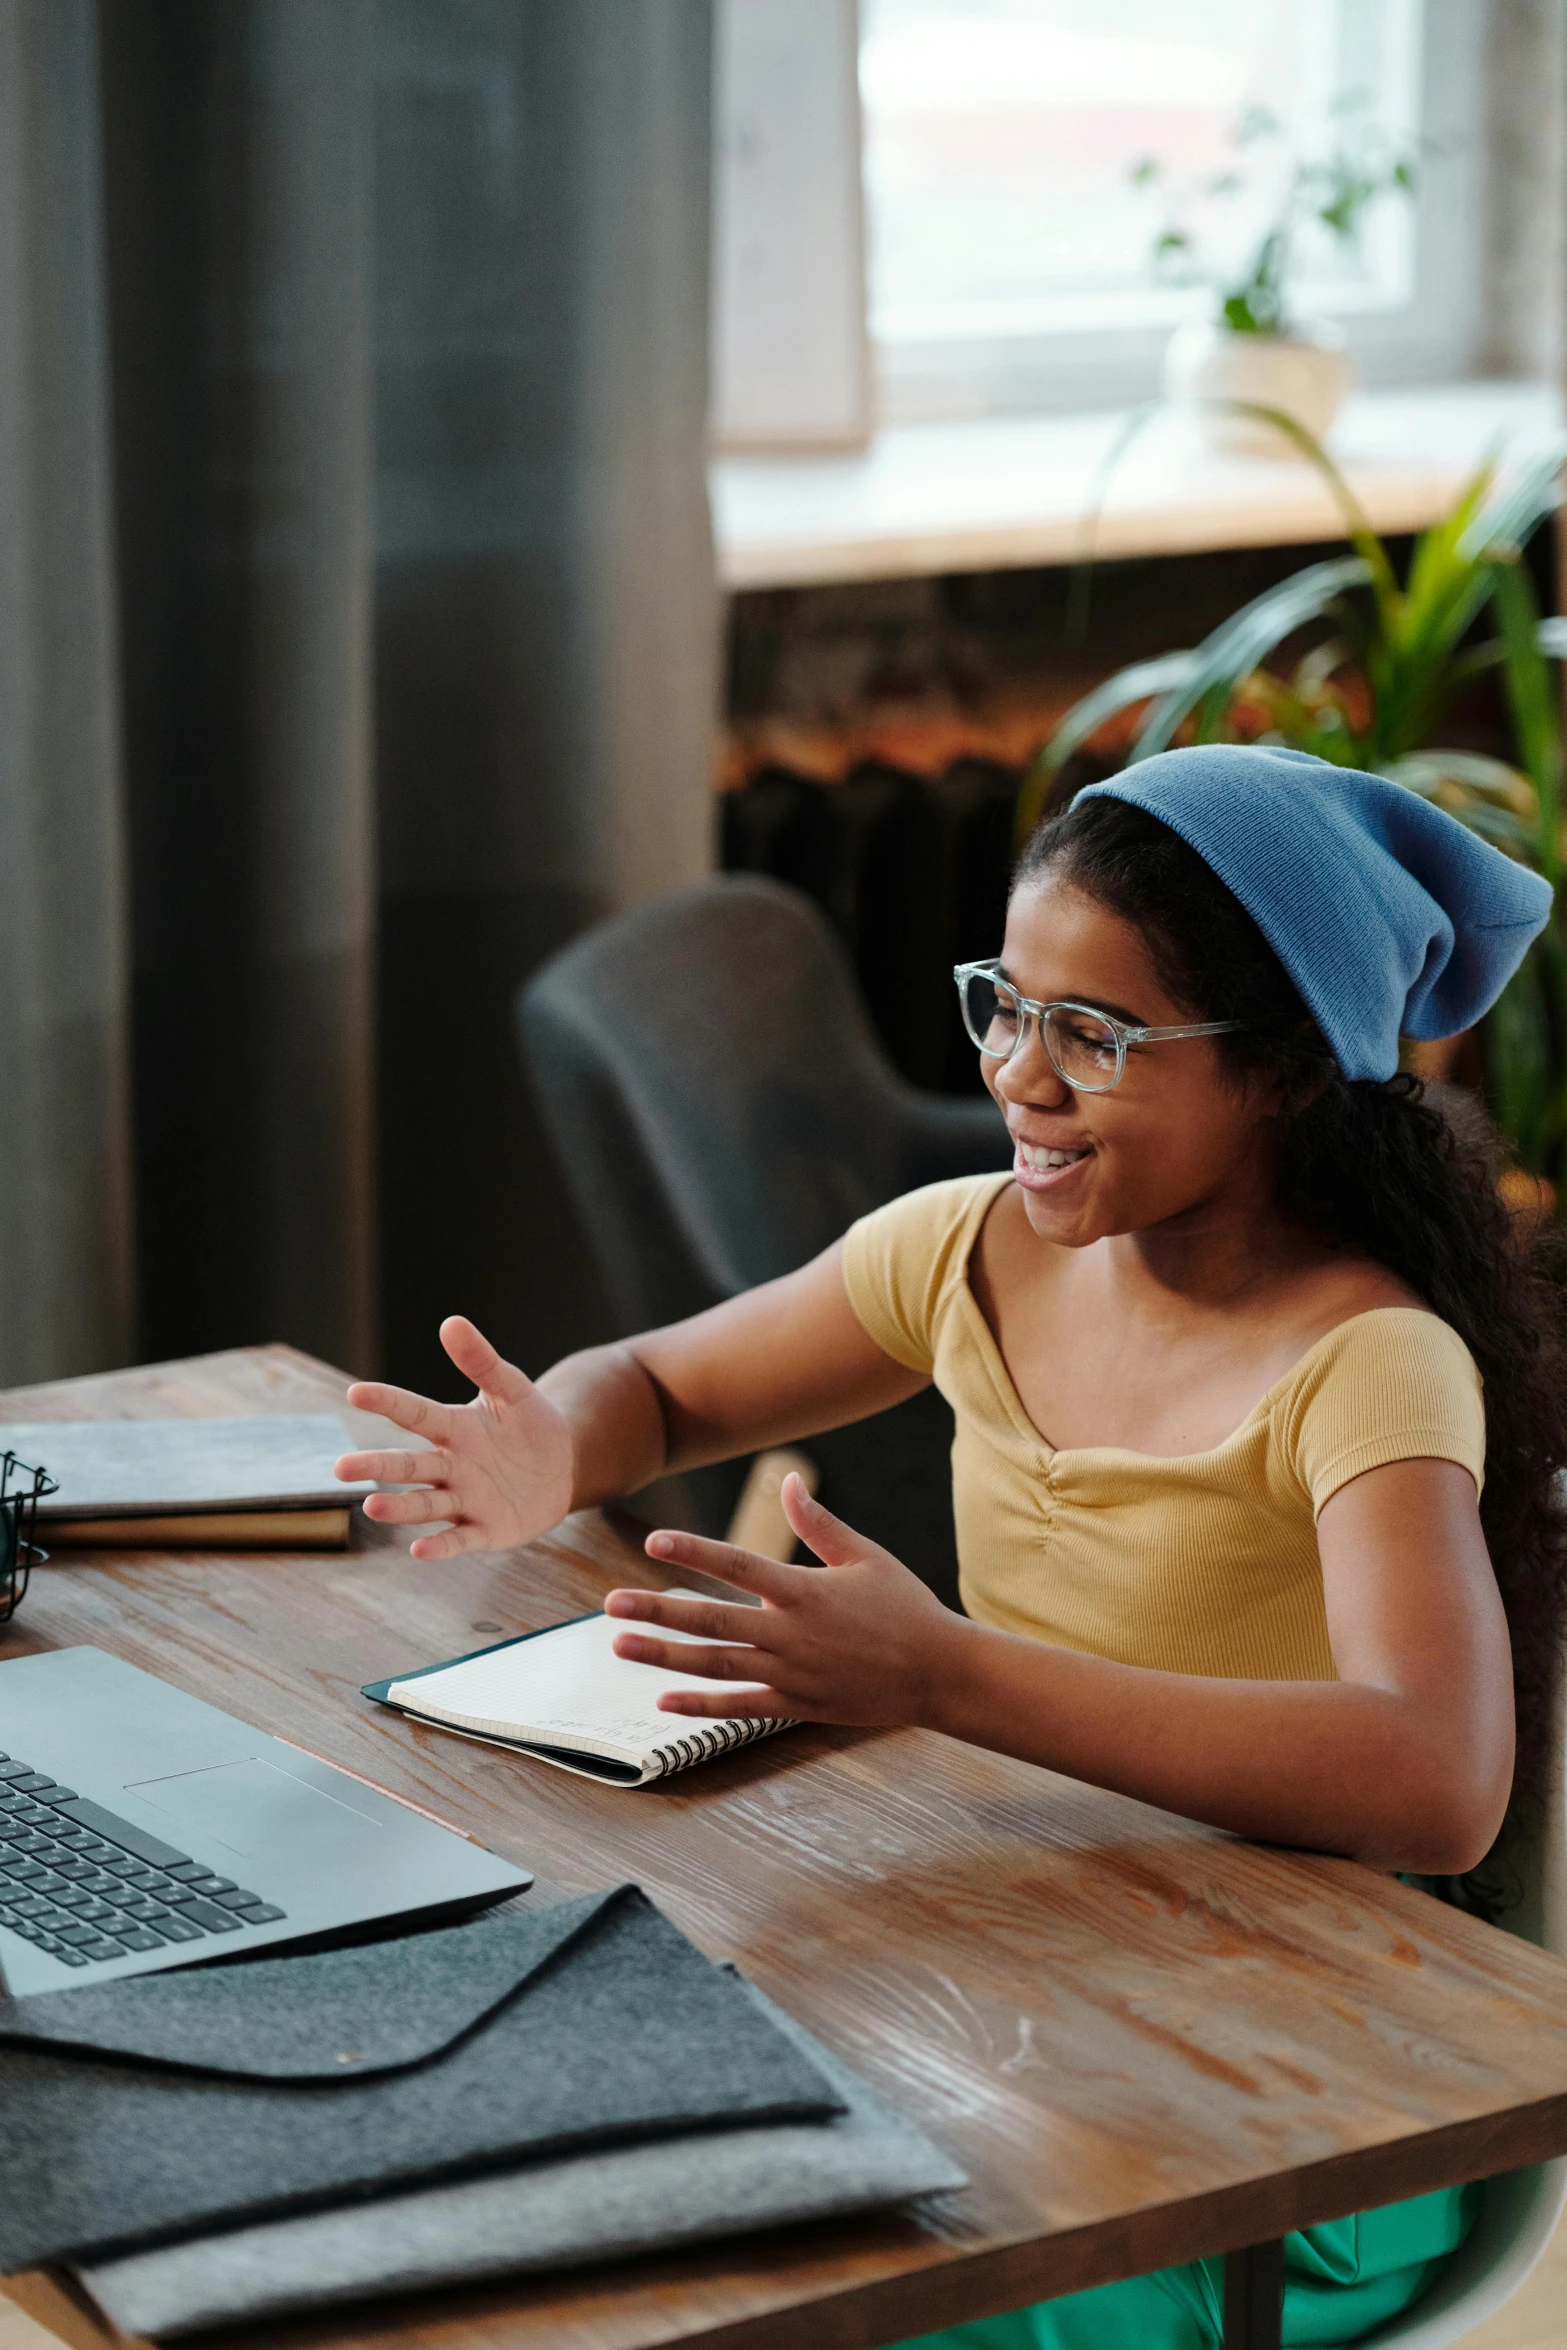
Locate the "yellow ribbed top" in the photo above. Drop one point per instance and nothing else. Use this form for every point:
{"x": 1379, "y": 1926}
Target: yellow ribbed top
{"x": 1201, "y": 1564}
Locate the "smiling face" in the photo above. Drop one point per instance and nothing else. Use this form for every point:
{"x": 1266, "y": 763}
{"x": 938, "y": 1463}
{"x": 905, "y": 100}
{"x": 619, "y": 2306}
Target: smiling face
{"x": 1176, "y": 1137}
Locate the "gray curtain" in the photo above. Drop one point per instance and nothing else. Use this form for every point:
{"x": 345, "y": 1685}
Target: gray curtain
{"x": 237, "y": 140}
{"x": 547, "y": 622}
{"x": 65, "y": 1226}
{"x": 357, "y": 640}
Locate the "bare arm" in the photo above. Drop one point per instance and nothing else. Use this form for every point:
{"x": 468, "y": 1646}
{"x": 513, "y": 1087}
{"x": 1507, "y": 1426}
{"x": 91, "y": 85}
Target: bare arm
{"x": 1404, "y": 1762}
{"x": 785, "y": 1360}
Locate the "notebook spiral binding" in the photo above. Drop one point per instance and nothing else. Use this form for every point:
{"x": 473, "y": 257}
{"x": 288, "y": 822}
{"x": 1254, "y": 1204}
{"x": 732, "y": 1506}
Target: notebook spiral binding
{"x": 721, "y": 1738}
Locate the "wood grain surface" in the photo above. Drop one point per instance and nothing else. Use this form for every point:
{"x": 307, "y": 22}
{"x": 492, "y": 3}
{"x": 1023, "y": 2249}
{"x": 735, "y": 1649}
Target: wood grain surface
{"x": 1144, "y": 2040}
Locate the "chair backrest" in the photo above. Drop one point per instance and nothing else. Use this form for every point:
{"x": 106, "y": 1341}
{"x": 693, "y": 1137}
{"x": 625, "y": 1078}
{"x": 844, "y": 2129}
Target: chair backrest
{"x": 722, "y": 1111}
{"x": 714, "y": 1088}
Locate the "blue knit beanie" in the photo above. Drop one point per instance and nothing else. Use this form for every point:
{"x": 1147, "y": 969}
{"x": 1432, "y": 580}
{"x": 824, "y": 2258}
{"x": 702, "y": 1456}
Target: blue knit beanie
{"x": 1391, "y": 918}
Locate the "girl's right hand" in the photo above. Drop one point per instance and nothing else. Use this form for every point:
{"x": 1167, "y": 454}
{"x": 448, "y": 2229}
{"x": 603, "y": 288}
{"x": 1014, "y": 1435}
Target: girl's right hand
{"x": 499, "y": 1468}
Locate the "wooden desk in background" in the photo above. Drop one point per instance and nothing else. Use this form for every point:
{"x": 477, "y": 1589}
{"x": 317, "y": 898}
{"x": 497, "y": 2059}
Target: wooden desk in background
{"x": 1144, "y": 2040}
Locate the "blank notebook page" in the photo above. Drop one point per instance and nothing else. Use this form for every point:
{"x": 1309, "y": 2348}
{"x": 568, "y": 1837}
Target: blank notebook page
{"x": 569, "y": 1679}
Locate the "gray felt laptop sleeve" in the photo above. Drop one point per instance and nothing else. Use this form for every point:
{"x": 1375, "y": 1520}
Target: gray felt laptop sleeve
{"x": 559, "y": 2213}
{"x": 167, "y": 2105}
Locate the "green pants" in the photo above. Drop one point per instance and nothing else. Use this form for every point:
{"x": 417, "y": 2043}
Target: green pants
{"x": 1341, "y": 2280}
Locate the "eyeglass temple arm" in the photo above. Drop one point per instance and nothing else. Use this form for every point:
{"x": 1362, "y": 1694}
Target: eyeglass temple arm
{"x": 1168, "y": 1035}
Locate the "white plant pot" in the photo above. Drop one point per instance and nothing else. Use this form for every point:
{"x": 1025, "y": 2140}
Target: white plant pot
{"x": 1306, "y": 374}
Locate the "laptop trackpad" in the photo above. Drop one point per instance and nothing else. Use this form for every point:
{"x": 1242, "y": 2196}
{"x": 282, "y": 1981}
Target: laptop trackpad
{"x": 253, "y": 1807}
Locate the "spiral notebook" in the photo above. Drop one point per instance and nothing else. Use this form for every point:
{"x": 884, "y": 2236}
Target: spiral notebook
{"x": 565, "y": 1697}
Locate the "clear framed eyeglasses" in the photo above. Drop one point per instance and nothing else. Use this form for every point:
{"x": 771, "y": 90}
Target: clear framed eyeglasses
{"x": 1086, "y": 1048}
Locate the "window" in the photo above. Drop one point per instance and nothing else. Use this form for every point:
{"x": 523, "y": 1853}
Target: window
{"x": 1000, "y": 137}
{"x": 1007, "y": 250}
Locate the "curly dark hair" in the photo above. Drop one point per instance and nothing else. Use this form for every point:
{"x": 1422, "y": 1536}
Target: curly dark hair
{"x": 1378, "y": 1168}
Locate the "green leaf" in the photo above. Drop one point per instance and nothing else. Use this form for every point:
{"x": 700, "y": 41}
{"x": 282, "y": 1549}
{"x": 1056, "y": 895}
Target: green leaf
{"x": 1357, "y": 525}
{"x": 1342, "y": 211}
{"x": 1138, "y": 683}
{"x": 1532, "y": 700}
{"x": 1239, "y": 316}
{"x": 1145, "y": 171}
{"x": 1489, "y": 797}
{"x": 1472, "y": 776}
{"x": 1525, "y": 1089}
{"x": 1242, "y": 642}
{"x": 1450, "y": 579}
{"x": 1257, "y": 122}
{"x": 1519, "y": 502}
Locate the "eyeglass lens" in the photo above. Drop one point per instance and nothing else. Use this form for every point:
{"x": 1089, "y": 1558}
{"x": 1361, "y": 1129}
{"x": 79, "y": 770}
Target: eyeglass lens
{"x": 1082, "y": 1048}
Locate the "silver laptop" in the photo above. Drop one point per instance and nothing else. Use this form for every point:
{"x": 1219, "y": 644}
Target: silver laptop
{"x": 142, "y": 1829}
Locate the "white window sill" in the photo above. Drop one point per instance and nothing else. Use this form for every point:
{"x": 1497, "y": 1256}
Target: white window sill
{"x": 1012, "y": 491}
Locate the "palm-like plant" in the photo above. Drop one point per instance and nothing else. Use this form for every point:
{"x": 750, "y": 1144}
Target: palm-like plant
{"x": 1373, "y": 692}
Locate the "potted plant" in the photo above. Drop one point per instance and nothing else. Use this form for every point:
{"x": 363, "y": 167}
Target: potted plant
{"x": 1373, "y": 690}
{"x": 1257, "y": 350}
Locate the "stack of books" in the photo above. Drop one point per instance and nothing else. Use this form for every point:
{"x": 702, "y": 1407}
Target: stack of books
{"x": 245, "y": 1484}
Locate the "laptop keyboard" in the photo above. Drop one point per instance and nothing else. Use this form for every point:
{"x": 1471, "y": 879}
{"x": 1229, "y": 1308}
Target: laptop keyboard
{"x": 85, "y": 1885}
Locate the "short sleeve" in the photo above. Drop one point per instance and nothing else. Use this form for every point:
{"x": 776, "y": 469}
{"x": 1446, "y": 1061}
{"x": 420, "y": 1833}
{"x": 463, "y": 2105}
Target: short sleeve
{"x": 1392, "y": 1385}
{"x": 902, "y": 1262}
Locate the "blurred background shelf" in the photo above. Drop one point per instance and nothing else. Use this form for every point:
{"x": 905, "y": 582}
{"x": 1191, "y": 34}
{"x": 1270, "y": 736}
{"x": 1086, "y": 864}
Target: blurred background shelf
{"x": 981, "y": 495}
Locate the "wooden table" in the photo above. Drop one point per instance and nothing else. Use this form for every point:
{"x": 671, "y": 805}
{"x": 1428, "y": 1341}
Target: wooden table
{"x": 1144, "y": 2040}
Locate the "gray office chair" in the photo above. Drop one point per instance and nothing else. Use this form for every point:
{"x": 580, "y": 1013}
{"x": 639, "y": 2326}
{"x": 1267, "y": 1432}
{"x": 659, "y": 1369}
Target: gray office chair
{"x": 723, "y": 1111}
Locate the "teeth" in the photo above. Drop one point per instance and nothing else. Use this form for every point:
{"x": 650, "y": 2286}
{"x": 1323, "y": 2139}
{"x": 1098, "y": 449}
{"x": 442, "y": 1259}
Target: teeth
{"x": 1037, "y": 1157}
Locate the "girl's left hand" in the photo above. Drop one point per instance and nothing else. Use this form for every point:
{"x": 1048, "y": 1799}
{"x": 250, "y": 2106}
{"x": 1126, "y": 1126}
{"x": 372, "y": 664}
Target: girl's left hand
{"x": 858, "y": 1639}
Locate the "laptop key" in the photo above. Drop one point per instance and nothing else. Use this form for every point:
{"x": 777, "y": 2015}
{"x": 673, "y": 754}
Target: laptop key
{"x": 93, "y": 1883}
{"x": 123, "y": 1834}
{"x": 206, "y": 1913}
{"x": 174, "y": 1928}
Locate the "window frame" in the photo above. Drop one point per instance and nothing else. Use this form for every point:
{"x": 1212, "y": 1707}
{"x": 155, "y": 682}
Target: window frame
{"x": 1430, "y": 337}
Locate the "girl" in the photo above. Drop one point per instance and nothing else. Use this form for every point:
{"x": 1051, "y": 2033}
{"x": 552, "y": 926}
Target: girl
{"x": 1221, "y": 1349}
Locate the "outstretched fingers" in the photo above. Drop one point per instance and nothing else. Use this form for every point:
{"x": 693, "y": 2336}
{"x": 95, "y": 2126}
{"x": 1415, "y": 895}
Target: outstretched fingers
{"x": 477, "y": 1360}
{"x": 448, "y": 1544}
{"x": 402, "y": 1407}
{"x": 706, "y": 1662}
{"x": 392, "y": 1468}
{"x": 755, "y": 1704}
{"x": 726, "y": 1564}
{"x": 410, "y": 1509}
{"x": 709, "y": 1619}
{"x": 834, "y": 1543}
